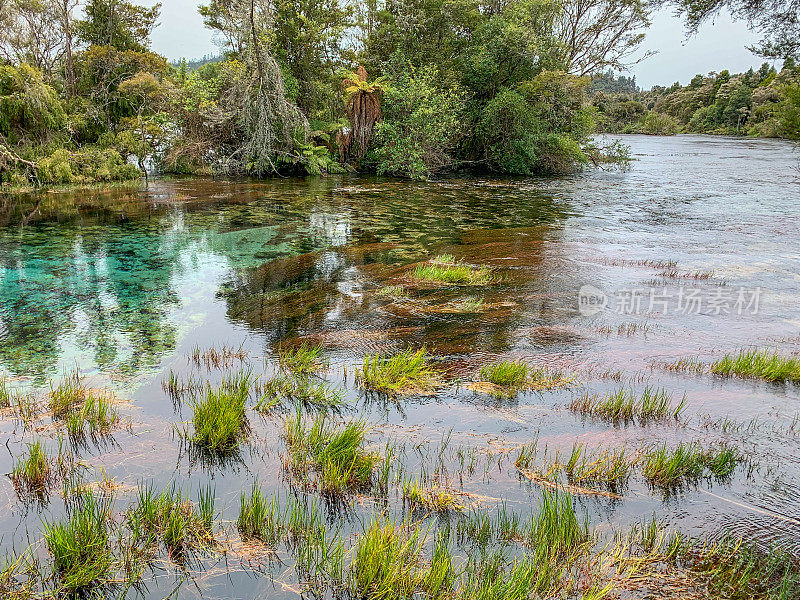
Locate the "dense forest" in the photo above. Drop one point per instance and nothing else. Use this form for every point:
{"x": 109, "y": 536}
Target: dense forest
{"x": 402, "y": 87}
{"x": 763, "y": 102}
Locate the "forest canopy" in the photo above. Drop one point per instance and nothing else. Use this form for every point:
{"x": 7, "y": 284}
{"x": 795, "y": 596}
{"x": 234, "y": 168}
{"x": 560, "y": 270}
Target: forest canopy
{"x": 411, "y": 88}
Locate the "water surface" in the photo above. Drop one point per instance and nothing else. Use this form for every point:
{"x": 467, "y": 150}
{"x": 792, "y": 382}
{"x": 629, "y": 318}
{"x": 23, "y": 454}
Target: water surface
{"x": 695, "y": 248}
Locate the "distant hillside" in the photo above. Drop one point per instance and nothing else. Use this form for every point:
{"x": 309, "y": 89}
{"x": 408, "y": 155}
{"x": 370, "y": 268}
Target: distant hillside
{"x": 194, "y": 64}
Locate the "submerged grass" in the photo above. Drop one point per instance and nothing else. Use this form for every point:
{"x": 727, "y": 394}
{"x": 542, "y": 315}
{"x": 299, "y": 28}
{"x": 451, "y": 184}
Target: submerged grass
{"x": 622, "y": 405}
{"x": 445, "y": 269}
{"x": 300, "y": 391}
{"x": 172, "y": 518}
{"x": 336, "y": 454}
{"x": 759, "y": 364}
{"x": 219, "y": 419}
{"x": 304, "y": 360}
{"x": 405, "y": 372}
{"x": 32, "y": 473}
{"x": 80, "y": 545}
{"x": 687, "y": 462}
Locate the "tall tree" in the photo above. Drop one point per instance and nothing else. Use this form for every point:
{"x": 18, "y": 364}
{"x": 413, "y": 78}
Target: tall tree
{"x": 118, "y": 23}
{"x": 778, "y": 21}
{"x": 597, "y": 34}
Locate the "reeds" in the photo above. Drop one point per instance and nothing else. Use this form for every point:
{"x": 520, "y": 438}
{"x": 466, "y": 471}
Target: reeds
{"x": 336, "y": 454}
{"x": 80, "y": 545}
{"x": 32, "y": 473}
{"x": 759, "y": 364}
{"x": 408, "y": 371}
{"x": 219, "y": 418}
{"x": 688, "y": 462}
{"x": 445, "y": 269}
{"x": 303, "y": 360}
{"x": 433, "y": 499}
{"x": 506, "y": 373}
{"x": 623, "y": 406}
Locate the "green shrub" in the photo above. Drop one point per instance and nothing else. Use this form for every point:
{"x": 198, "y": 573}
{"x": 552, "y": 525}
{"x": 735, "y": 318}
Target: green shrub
{"x": 421, "y": 125}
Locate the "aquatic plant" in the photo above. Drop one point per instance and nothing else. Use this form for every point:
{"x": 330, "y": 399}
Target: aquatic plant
{"x": 303, "y": 360}
{"x": 433, "y": 499}
{"x": 224, "y": 357}
{"x": 445, "y": 269}
{"x": 336, "y": 454}
{"x": 172, "y": 518}
{"x": 260, "y": 518}
{"x": 97, "y": 415}
{"x": 393, "y": 291}
{"x": 623, "y": 405}
{"x": 608, "y": 467}
{"x": 405, "y": 372}
{"x": 80, "y": 545}
{"x": 32, "y": 472}
{"x": 219, "y": 419}
{"x": 556, "y": 530}
{"x": 686, "y": 462}
{"x": 760, "y": 364}
{"x": 506, "y": 373}
{"x": 385, "y": 560}
{"x": 6, "y": 394}
{"x": 301, "y": 391}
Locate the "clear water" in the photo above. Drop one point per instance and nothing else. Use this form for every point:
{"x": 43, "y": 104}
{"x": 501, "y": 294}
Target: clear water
{"x": 124, "y": 284}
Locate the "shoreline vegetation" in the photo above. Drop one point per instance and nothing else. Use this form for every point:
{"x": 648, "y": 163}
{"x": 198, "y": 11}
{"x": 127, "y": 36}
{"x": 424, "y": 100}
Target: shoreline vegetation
{"x": 761, "y": 103}
{"x": 482, "y": 88}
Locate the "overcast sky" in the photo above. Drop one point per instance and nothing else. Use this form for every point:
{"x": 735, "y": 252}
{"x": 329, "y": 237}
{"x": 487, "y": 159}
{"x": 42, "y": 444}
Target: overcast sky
{"x": 718, "y": 45}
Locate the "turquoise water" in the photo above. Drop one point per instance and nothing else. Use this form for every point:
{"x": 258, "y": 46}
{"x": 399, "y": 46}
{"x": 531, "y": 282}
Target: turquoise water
{"x": 123, "y": 285}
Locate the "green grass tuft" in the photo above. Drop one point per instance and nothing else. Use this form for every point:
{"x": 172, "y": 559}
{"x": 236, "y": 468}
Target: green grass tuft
{"x": 304, "y": 360}
{"x": 445, "y": 269}
{"x": 760, "y": 364}
{"x": 405, "y": 372}
{"x": 172, "y": 518}
{"x": 219, "y": 419}
{"x": 260, "y": 518}
{"x": 506, "y": 373}
{"x": 385, "y": 561}
{"x": 688, "y": 462}
{"x": 301, "y": 391}
{"x": 336, "y": 454}
{"x": 433, "y": 499}
{"x": 80, "y": 545}
{"x": 32, "y": 473}
{"x": 654, "y": 404}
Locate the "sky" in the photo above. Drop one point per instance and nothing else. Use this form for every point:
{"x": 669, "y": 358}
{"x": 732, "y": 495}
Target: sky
{"x": 718, "y": 45}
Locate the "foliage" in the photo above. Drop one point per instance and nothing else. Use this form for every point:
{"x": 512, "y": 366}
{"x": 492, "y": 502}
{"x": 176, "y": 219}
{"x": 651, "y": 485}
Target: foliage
{"x": 537, "y": 127}
{"x": 122, "y": 25}
{"x": 421, "y": 126}
{"x": 759, "y": 102}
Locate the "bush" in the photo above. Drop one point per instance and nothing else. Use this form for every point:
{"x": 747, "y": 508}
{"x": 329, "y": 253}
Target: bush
{"x": 89, "y": 165}
{"x": 655, "y": 123}
{"x": 421, "y": 125}
{"x": 537, "y": 127}
{"x": 29, "y": 108}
